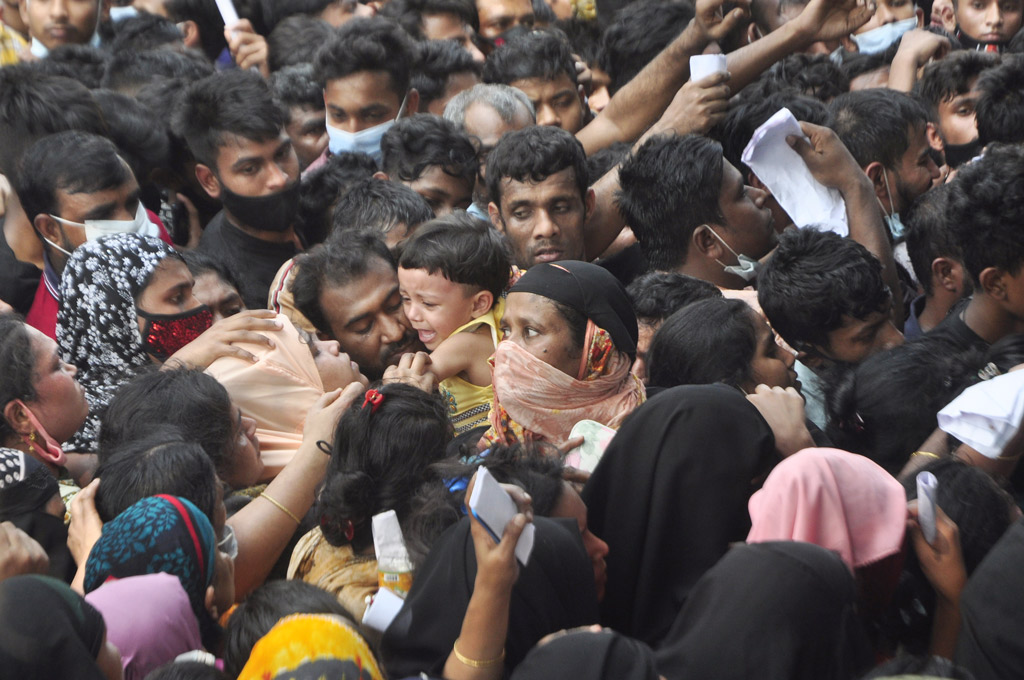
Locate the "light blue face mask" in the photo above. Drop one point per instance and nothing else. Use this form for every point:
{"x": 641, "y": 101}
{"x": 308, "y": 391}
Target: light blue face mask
{"x": 40, "y": 50}
{"x": 122, "y": 13}
{"x": 365, "y": 141}
{"x": 892, "y": 219}
{"x": 746, "y": 268}
{"x": 879, "y": 39}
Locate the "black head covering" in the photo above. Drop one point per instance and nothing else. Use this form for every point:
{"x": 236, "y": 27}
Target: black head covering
{"x": 773, "y": 611}
{"x": 669, "y": 496}
{"x": 992, "y": 612}
{"x": 589, "y": 289}
{"x": 49, "y": 631}
{"x": 26, "y": 486}
{"x": 585, "y": 655}
{"x": 554, "y": 591}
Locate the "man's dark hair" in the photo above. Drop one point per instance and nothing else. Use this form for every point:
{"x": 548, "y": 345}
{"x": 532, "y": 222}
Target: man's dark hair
{"x": 144, "y": 32}
{"x": 813, "y": 75}
{"x": 603, "y": 160}
{"x": 668, "y": 188}
{"x": 295, "y": 86}
{"x": 200, "y": 263}
{"x": 368, "y": 44}
{"x": 208, "y": 21}
{"x": 538, "y": 54}
{"x": 189, "y": 399}
{"x": 296, "y": 40}
{"x": 750, "y": 113}
{"x": 423, "y": 141}
{"x": 158, "y": 461}
{"x": 333, "y": 264}
{"x": 986, "y": 210}
{"x": 952, "y": 75}
{"x": 640, "y": 32}
{"x": 874, "y": 124}
{"x": 856, "y": 64}
{"x": 321, "y": 189}
{"x": 45, "y": 170}
{"x": 33, "y": 105}
{"x": 263, "y": 608}
{"x": 1000, "y": 109}
{"x": 128, "y": 71}
{"x": 378, "y": 205}
{"x": 532, "y": 155}
{"x": 141, "y": 139}
{"x": 929, "y": 234}
{"x": 813, "y": 280}
{"x": 438, "y": 61}
{"x": 410, "y": 14}
{"x": 273, "y": 12}
{"x": 461, "y": 248}
{"x": 229, "y": 102}
{"x": 82, "y": 63}
{"x": 658, "y": 295}
{"x": 584, "y": 38}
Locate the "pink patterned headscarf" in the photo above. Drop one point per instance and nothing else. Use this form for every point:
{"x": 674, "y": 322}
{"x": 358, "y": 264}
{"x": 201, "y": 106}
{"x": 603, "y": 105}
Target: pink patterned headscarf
{"x": 835, "y": 499}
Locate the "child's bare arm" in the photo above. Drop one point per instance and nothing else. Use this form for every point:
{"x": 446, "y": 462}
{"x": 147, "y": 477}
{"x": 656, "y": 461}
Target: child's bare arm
{"x": 464, "y": 354}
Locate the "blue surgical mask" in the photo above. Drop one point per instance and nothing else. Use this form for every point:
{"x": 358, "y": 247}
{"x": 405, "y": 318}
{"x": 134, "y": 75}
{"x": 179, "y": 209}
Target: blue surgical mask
{"x": 746, "y": 268}
{"x": 879, "y": 39}
{"x": 892, "y": 219}
{"x": 122, "y": 13}
{"x": 365, "y": 141}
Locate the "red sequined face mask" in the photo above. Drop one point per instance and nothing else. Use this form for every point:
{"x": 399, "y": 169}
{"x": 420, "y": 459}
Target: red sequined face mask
{"x": 165, "y": 334}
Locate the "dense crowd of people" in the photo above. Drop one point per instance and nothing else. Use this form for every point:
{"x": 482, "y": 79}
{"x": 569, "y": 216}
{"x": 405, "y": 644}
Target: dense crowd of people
{"x": 656, "y": 339}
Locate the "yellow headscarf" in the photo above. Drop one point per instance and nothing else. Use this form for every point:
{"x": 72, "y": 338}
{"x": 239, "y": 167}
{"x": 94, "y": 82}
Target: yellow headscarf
{"x": 311, "y": 646}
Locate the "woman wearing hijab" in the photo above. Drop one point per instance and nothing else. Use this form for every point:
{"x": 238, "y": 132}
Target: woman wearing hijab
{"x": 588, "y": 655}
{"x": 30, "y": 499}
{"x": 569, "y": 341}
{"x": 670, "y": 495}
{"x": 772, "y": 611}
{"x": 49, "y": 632}
{"x": 554, "y": 591}
{"x": 311, "y": 646}
{"x": 149, "y": 619}
{"x": 127, "y": 302}
{"x": 165, "y": 534}
{"x": 279, "y": 388}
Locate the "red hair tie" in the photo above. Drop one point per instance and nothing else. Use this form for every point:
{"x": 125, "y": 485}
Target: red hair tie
{"x": 374, "y": 399}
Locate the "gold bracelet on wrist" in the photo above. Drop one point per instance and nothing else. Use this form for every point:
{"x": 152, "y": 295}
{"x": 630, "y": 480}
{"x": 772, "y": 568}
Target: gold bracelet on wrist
{"x": 473, "y": 663}
{"x": 281, "y": 508}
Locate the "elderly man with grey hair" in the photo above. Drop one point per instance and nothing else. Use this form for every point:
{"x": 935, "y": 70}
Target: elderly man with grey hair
{"x": 486, "y": 113}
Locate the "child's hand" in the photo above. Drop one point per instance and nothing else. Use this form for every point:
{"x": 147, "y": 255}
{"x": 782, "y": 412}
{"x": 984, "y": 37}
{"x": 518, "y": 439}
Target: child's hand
{"x": 412, "y": 369}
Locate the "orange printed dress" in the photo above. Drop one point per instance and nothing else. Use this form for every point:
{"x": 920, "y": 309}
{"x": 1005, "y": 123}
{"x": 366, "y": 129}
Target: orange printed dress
{"x": 469, "y": 405}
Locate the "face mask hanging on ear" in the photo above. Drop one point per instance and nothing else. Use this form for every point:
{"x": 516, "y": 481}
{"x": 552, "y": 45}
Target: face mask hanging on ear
{"x": 747, "y": 267}
{"x": 49, "y": 450}
{"x": 892, "y": 220}
{"x": 365, "y": 141}
{"x": 879, "y": 39}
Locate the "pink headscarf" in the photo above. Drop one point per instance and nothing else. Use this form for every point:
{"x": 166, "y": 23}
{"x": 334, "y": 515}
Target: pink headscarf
{"x": 149, "y": 619}
{"x": 835, "y": 499}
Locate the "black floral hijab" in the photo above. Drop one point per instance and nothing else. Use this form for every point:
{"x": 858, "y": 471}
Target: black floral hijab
{"x": 97, "y": 324}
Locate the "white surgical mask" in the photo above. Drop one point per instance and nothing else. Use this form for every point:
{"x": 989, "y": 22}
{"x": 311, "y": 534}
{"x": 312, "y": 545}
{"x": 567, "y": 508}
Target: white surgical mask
{"x": 747, "y": 267}
{"x": 365, "y": 141}
{"x": 122, "y": 13}
{"x": 879, "y": 39}
{"x": 97, "y": 228}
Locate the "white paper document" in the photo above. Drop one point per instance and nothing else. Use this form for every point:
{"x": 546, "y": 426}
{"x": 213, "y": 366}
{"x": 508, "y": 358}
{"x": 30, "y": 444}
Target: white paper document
{"x": 986, "y": 416}
{"x": 495, "y": 509}
{"x": 382, "y": 610}
{"x": 806, "y": 200}
{"x": 227, "y": 12}
{"x": 704, "y": 65}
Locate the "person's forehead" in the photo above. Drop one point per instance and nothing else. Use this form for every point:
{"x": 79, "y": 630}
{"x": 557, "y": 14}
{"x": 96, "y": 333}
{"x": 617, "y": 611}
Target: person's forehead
{"x": 78, "y": 203}
{"x": 367, "y": 293}
{"x": 504, "y": 7}
{"x": 435, "y": 179}
{"x": 361, "y": 89}
{"x": 234, "y": 148}
{"x": 485, "y": 123}
{"x": 557, "y": 185}
{"x": 539, "y": 89}
{"x": 731, "y": 179}
{"x": 210, "y": 284}
{"x": 443, "y": 26}
{"x": 917, "y": 144}
{"x": 536, "y": 308}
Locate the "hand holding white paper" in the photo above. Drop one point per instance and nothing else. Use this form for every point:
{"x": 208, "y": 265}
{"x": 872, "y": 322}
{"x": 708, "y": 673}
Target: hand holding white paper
{"x": 807, "y": 201}
{"x": 495, "y": 509}
{"x": 704, "y": 65}
{"x": 927, "y": 487}
{"x": 986, "y": 416}
{"x": 227, "y": 12}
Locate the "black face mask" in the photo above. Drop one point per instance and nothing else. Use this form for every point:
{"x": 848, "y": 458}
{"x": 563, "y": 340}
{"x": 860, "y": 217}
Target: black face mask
{"x": 958, "y": 154}
{"x": 274, "y": 212}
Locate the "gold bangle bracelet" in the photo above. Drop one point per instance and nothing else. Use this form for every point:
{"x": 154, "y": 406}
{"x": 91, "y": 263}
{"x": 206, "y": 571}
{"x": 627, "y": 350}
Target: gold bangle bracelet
{"x": 473, "y": 663}
{"x": 926, "y": 454}
{"x": 281, "y": 508}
